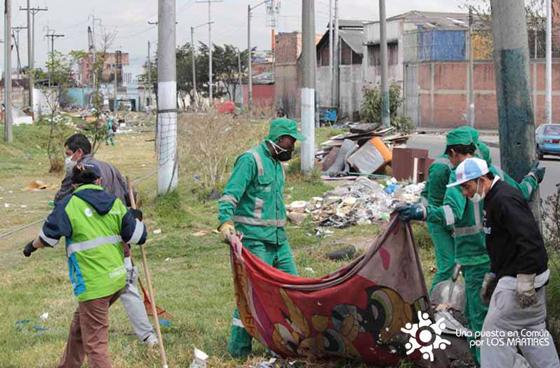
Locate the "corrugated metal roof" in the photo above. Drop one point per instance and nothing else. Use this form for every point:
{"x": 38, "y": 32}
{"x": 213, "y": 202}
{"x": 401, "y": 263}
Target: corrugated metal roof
{"x": 354, "y": 39}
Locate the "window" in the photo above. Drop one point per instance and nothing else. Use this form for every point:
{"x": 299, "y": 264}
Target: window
{"x": 552, "y": 130}
{"x": 374, "y": 54}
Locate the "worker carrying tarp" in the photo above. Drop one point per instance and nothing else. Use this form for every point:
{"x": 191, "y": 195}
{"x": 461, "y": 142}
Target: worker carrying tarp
{"x": 358, "y": 312}
{"x": 434, "y": 193}
{"x": 253, "y": 205}
{"x": 464, "y": 218}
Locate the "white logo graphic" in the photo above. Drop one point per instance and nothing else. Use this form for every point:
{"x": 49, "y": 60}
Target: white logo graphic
{"x": 88, "y": 212}
{"x": 425, "y": 336}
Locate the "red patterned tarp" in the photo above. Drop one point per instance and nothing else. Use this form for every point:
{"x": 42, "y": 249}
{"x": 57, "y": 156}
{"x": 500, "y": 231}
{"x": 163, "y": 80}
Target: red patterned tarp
{"x": 356, "y": 312}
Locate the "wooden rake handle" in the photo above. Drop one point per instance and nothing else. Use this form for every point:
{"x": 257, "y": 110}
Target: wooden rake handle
{"x": 149, "y": 283}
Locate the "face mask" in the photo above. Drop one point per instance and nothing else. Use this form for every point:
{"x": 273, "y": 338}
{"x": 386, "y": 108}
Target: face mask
{"x": 477, "y": 197}
{"x": 69, "y": 164}
{"x": 281, "y": 154}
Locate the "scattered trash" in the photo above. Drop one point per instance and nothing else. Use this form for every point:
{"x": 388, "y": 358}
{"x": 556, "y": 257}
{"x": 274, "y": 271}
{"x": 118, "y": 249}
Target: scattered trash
{"x": 36, "y": 185}
{"x": 309, "y": 269}
{"x": 157, "y": 231}
{"x": 167, "y": 259}
{"x": 200, "y": 359}
{"x": 342, "y": 254}
{"x": 44, "y": 316}
{"x": 268, "y": 364}
{"x": 7, "y": 205}
{"x": 201, "y": 233}
{"x": 362, "y": 202}
{"x": 165, "y": 323}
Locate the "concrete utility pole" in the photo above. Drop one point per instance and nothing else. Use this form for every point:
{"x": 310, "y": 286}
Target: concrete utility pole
{"x": 470, "y": 72}
{"x": 548, "y": 99}
{"x": 309, "y": 56}
{"x": 31, "y": 48}
{"x": 239, "y": 75}
{"x": 167, "y": 99}
{"x": 385, "y": 106}
{"x": 210, "y": 51}
{"x": 15, "y": 35}
{"x": 336, "y": 52}
{"x": 52, "y": 36}
{"x": 194, "y": 58}
{"x": 331, "y": 52}
{"x": 8, "y": 136}
{"x": 150, "y": 73}
{"x": 93, "y": 20}
{"x": 249, "y": 62}
{"x": 515, "y": 112}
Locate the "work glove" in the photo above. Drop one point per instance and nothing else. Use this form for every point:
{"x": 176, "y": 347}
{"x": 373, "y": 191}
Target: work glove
{"x": 537, "y": 172}
{"x": 137, "y": 214}
{"x": 526, "y": 293}
{"x": 227, "y": 230}
{"x": 28, "y": 249}
{"x": 410, "y": 212}
{"x": 488, "y": 286}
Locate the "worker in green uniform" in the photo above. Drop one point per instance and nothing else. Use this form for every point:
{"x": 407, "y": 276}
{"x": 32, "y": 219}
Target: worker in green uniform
{"x": 464, "y": 218}
{"x": 434, "y": 193}
{"x": 253, "y": 205}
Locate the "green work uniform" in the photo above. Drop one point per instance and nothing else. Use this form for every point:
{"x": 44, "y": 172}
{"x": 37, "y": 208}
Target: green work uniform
{"x": 434, "y": 193}
{"x": 254, "y": 200}
{"x": 464, "y": 217}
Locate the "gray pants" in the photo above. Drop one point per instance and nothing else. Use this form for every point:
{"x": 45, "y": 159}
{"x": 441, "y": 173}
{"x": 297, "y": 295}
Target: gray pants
{"x": 134, "y": 306}
{"x": 508, "y": 327}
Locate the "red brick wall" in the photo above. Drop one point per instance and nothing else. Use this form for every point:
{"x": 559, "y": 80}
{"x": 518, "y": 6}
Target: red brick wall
{"x": 445, "y": 105}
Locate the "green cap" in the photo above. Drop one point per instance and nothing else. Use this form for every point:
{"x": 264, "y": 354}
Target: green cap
{"x": 283, "y": 126}
{"x": 462, "y": 135}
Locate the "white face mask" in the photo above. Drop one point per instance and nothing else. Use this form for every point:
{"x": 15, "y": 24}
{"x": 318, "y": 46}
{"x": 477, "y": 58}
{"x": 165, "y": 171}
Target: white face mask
{"x": 69, "y": 164}
{"x": 477, "y": 197}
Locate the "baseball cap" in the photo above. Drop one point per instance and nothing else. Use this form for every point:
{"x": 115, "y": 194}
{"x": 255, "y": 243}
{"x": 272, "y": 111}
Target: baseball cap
{"x": 283, "y": 126}
{"x": 470, "y": 169}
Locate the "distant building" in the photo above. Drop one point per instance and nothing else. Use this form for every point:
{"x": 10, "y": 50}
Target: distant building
{"x": 113, "y": 62}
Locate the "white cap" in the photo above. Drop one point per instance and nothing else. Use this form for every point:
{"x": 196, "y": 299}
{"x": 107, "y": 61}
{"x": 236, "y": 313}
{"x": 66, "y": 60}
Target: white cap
{"x": 470, "y": 169}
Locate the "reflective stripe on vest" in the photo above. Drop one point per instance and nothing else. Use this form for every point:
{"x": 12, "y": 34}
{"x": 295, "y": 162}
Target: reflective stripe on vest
{"x": 529, "y": 188}
{"x": 465, "y": 231}
{"x": 230, "y": 199}
{"x": 259, "y": 204}
{"x": 90, "y": 244}
{"x": 260, "y": 167}
{"x": 449, "y": 217}
{"x": 258, "y": 222}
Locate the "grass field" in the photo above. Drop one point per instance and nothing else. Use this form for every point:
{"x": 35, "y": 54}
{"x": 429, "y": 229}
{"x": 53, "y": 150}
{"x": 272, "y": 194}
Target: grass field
{"x": 189, "y": 263}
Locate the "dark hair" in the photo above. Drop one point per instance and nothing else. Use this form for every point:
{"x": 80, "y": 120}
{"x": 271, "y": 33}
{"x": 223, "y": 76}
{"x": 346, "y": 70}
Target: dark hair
{"x": 490, "y": 176}
{"x": 77, "y": 141}
{"x": 461, "y": 149}
{"x": 82, "y": 175}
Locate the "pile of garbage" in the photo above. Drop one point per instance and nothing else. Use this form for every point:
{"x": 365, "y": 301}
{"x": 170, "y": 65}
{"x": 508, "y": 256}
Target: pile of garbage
{"x": 361, "y": 202}
{"x": 366, "y": 149}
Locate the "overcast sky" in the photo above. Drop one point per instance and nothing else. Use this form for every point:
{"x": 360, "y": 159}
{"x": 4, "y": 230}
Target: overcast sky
{"x": 129, "y": 18}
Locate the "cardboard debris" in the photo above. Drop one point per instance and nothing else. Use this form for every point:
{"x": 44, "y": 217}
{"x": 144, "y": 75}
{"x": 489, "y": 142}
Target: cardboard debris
{"x": 365, "y": 149}
{"x": 361, "y": 202}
